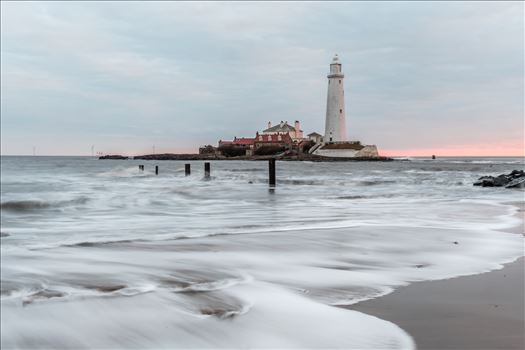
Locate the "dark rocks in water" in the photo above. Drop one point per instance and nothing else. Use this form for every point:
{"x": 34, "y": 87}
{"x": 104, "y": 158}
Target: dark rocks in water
{"x": 485, "y": 181}
{"x": 517, "y": 173}
{"x": 501, "y": 180}
{"x": 516, "y": 183}
{"x": 4, "y": 234}
{"x": 113, "y": 156}
{"x": 514, "y": 179}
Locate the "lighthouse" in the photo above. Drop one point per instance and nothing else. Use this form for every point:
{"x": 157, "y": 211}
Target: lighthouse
{"x": 335, "y": 126}
{"x": 335, "y": 142}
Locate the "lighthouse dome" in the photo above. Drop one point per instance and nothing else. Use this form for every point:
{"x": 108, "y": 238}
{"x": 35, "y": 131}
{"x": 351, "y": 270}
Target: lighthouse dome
{"x": 336, "y": 59}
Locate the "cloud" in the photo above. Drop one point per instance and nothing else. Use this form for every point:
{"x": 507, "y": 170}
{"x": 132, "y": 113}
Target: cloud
{"x": 182, "y": 74}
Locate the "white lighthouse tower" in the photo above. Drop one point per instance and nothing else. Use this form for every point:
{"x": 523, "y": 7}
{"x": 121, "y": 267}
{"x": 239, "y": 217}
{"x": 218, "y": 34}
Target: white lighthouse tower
{"x": 335, "y": 127}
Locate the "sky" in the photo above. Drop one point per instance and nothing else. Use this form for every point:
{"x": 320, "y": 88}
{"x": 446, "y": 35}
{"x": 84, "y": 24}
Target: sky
{"x": 421, "y": 78}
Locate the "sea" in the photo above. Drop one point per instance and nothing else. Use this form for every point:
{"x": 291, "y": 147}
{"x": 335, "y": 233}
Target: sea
{"x": 99, "y": 254}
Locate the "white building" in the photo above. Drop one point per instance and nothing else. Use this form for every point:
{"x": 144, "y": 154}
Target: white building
{"x": 315, "y": 137}
{"x": 335, "y": 126}
{"x": 295, "y": 131}
{"x": 335, "y": 142}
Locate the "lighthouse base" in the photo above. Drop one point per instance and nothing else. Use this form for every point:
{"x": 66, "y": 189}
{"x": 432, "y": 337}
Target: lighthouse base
{"x": 350, "y": 149}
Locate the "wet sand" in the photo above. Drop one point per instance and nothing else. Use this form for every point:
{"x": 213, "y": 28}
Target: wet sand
{"x": 484, "y": 311}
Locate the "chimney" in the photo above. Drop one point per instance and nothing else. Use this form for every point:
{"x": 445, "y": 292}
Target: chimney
{"x": 297, "y": 126}
{"x": 269, "y": 125}
{"x": 282, "y": 124}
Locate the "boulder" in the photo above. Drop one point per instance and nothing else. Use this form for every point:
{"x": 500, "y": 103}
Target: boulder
{"x": 516, "y": 183}
{"x": 485, "y": 181}
{"x": 514, "y": 179}
{"x": 502, "y": 180}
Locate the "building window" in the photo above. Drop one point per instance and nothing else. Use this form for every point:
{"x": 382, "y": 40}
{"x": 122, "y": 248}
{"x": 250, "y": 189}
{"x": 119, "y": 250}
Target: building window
{"x": 339, "y": 81}
{"x": 340, "y": 111}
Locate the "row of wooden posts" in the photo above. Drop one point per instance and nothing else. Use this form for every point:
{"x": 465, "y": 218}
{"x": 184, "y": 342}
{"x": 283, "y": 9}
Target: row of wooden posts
{"x": 207, "y": 170}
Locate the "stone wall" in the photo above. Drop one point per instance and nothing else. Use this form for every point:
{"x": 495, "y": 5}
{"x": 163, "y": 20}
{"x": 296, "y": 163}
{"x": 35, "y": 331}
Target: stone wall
{"x": 368, "y": 151}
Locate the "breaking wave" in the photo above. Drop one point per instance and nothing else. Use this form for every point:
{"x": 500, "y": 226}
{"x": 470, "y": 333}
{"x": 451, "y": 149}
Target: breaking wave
{"x": 34, "y": 205}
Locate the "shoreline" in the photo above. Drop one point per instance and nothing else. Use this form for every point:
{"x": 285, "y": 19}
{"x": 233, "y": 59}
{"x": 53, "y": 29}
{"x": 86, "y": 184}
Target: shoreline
{"x": 295, "y": 157}
{"x": 482, "y": 311}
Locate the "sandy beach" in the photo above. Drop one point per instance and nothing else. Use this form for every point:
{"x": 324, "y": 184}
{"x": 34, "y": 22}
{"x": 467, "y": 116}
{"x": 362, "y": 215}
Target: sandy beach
{"x": 484, "y": 311}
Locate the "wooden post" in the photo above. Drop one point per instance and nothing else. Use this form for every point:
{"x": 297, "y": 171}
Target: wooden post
{"x": 141, "y": 167}
{"x": 207, "y": 169}
{"x": 271, "y": 168}
{"x": 433, "y": 156}
{"x": 187, "y": 169}
{"x": 156, "y": 170}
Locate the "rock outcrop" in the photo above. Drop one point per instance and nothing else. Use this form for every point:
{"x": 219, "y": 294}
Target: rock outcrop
{"x": 113, "y": 156}
{"x": 515, "y": 179}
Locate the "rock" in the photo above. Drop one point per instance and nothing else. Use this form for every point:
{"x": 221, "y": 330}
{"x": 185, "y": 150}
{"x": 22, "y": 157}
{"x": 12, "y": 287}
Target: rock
{"x": 514, "y": 179}
{"x": 502, "y": 180}
{"x": 485, "y": 181}
{"x": 114, "y": 156}
{"x": 517, "y": 173}
{"x": 516, "y": 183}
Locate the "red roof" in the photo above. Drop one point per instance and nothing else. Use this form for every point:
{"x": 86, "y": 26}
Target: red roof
{"x": 243, "y": 141}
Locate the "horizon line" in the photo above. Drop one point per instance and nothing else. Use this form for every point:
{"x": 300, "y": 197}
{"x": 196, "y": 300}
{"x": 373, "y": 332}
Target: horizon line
{"x": 389, "y": 156}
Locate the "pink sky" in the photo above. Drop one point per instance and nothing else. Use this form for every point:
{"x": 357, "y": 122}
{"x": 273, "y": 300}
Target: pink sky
{"x": 509, "y": 150}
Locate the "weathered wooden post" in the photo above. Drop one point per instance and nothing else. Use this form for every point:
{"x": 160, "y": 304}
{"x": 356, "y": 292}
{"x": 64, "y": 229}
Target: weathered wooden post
{"x": 187, "y": 169}
{"x": 271, "y": 168}
{"x": 156, "y": 170}
{"x": 206, "y": 169}
{"x": 141, "y": 167}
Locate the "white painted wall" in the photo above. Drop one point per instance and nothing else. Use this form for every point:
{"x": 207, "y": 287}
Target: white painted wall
{"x": 335, "y": 126}
{"x": 366, "y": 151}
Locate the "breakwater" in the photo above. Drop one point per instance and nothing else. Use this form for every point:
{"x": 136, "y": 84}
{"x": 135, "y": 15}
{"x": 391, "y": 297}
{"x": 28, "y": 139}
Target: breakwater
{"x": 285, "y": 157}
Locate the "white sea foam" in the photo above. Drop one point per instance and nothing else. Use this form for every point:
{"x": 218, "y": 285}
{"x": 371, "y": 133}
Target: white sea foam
{"x": 173, "y": 261}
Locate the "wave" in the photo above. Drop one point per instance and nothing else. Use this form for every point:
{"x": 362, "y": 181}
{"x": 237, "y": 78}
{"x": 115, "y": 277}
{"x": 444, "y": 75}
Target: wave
{"x": 89, "y": 244}
{"x": 367, "y": 197}
{"x": 376, "y": 182}
{"x": 22, "y": 206}
{"x": 246, "y": 170}
{"x": 300, "y": 182}
{"x": 35, "y": 205}
{"x": 185, "y": 285}
{"x": 43, "y": 294}
{"x": 71, "y": 291}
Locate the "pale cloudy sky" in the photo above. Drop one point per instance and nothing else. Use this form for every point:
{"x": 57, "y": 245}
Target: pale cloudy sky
{"x": 421, "y": 78}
